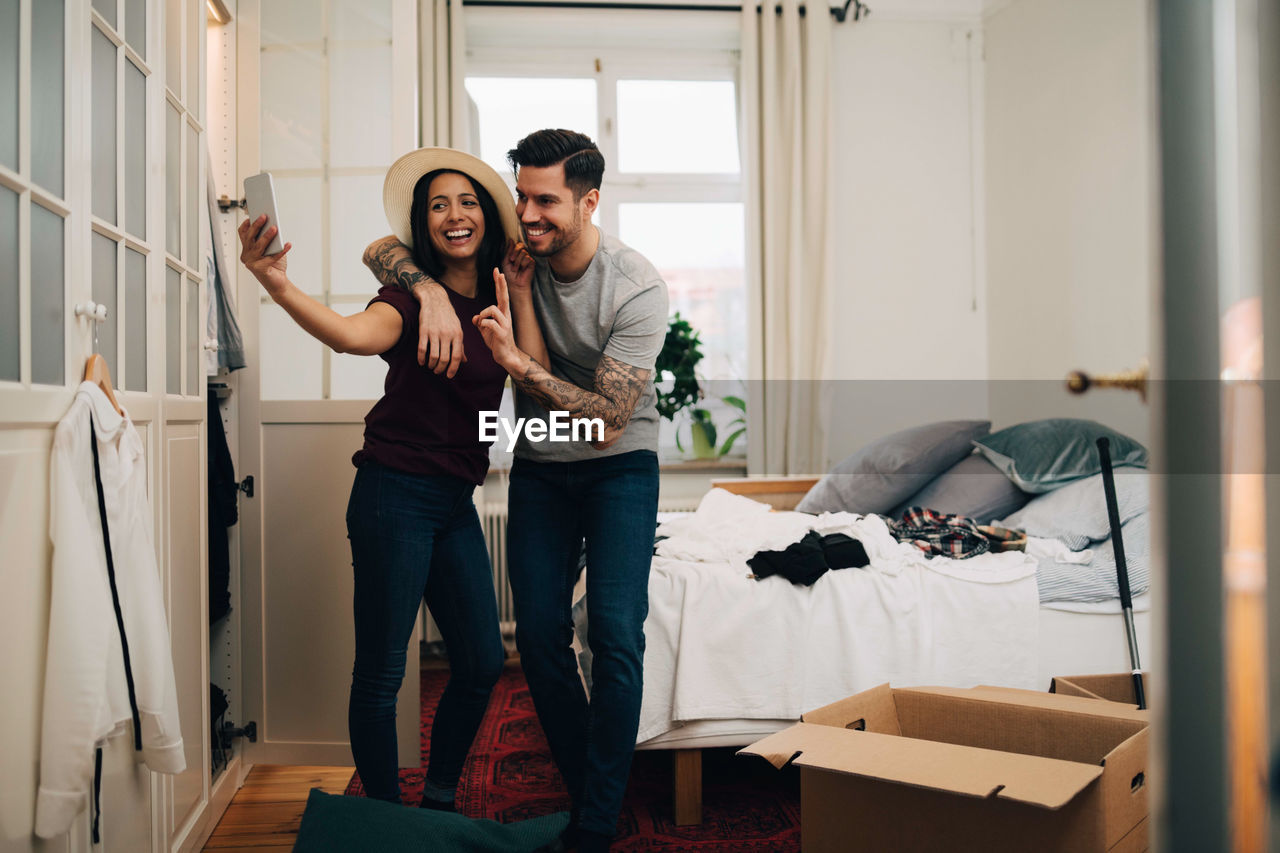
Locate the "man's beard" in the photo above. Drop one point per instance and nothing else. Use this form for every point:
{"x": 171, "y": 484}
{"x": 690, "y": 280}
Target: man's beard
{"x": 560, "y": 238}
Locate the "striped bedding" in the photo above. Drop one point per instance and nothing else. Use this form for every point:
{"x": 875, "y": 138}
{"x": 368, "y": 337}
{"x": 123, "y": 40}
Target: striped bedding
{"x": 1076, "y": 516}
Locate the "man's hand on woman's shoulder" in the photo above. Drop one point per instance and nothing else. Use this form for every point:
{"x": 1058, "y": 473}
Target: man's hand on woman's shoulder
{"x": 439, "y": 330}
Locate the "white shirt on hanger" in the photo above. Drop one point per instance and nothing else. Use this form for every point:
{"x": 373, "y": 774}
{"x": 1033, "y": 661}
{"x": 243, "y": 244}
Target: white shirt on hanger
{"x": 86, "y": 699}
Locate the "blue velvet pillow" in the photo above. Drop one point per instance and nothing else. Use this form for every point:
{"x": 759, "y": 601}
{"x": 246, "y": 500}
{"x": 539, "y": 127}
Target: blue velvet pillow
{"x": 1040, "y": 456}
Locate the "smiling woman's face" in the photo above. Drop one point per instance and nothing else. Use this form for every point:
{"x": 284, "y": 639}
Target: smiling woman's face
{"x": 454, "y": 218}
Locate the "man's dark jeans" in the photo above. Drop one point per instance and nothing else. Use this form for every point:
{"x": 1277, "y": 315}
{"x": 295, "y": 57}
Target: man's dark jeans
{"x": 612, "y": 502}
{"x": 412, "y": 537}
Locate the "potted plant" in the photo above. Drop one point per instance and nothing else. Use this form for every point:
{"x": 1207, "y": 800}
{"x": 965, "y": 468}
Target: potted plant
{"x": 679, "y": 389}
{"x": 681, "y": 351}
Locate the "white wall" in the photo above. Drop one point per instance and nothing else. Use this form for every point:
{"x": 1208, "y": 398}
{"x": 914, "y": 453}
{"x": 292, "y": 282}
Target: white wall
{"x": 909, "y": 336}
{"x": 1071, "y": 227}
{"x": 995, "y": 212}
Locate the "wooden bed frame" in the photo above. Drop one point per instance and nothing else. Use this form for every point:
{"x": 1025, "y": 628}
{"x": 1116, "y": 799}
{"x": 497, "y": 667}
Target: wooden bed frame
{"x": 781, "y": 493}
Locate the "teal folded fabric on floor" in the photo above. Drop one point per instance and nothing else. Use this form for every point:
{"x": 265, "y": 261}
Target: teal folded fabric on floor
{"x": 333, "y": 823}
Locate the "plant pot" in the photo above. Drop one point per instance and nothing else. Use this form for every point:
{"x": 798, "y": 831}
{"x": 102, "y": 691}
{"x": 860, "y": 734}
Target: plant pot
{"x": 704, "y": 446}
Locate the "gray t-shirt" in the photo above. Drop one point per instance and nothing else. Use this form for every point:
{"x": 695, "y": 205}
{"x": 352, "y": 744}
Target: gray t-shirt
{"x": 617, "y": 308}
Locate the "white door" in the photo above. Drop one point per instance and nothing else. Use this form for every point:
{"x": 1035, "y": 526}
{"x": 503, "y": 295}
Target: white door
{"x": 326, "y": 101}
{"x": 181, "y": 443}
{"x": 102, "y": 201}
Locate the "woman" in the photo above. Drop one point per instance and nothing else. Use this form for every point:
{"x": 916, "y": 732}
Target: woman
{"x": 413, "y": 528}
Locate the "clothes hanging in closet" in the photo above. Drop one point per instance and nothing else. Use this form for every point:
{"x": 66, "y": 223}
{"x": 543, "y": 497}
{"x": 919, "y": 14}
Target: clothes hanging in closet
{"x": 220, "y": 323}
{"x": 223, "y": 513}
{"x": 101, "y": 608}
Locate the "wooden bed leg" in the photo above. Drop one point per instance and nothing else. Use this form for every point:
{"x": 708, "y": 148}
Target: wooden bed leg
{"x": 687, "y": 786}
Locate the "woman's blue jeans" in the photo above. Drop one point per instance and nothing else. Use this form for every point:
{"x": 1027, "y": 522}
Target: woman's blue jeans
{"x": 612, "y": 503}
{"x": 415, "y": 537}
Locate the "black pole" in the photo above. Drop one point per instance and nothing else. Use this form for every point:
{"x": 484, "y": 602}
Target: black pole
{"x": 1122, "y": 568}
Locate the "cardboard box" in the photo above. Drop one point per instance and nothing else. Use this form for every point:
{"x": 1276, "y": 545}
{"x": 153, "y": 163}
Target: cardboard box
{"x": 983, "y": 769}
{"x": 1115, "y": 687}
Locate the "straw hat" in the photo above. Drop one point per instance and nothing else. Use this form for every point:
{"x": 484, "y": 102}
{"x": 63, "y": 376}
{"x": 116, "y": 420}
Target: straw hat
{"x": 403, "y": 176}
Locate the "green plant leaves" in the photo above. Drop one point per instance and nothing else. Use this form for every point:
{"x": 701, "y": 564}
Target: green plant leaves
{"x": 681, "y": 351}
{"x": 728, "y": 442}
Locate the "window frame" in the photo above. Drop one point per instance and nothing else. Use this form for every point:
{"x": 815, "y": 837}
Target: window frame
{"x": 607, "y": 66}
{"x": 37, "y": 401}
{"x": 16, "y": 393}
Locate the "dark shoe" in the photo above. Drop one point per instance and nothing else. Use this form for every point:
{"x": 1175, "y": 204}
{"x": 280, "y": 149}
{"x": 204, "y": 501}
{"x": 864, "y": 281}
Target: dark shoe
{"x": 437, "y": 805}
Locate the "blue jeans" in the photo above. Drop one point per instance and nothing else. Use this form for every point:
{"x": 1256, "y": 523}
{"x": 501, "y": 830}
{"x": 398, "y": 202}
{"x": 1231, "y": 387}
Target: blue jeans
{"x": 612, "y": 502}
{"x": 415, "y": 537}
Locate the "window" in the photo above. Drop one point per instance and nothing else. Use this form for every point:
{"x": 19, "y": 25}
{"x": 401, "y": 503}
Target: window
{"x": 184, "y": 197}
{"x": 118, "y": 224}
{"x": 327, "y": 117}
{"x": 665, "y": 117}
{"x": 118, "y": 196}
{"x": 34, "y": 205}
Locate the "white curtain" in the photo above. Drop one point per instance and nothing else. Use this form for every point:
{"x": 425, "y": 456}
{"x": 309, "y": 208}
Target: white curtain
{"x": 446, "y": 111}
{"x": 786, "y": 111}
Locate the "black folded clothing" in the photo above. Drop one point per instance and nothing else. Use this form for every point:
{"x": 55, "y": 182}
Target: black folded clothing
{"x": 801, "y": 563}
{"x": 844, "y": 552}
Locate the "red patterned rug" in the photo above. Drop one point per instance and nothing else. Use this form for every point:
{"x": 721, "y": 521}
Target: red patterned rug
{"x": 747, "y": 806}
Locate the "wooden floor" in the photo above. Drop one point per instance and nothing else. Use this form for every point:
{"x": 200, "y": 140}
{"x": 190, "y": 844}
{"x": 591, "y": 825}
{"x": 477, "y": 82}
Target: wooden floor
{"x": 267, "y": 811}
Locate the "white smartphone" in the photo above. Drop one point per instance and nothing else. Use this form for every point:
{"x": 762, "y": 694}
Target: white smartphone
{"x": 260, "y": 198}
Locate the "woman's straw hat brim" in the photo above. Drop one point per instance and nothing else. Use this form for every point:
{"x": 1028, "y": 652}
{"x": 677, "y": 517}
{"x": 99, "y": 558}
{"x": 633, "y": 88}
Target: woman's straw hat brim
{"x": 403, "y": 176}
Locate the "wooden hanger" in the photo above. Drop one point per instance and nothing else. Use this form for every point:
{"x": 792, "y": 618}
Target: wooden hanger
{"x": 96, "y": 371}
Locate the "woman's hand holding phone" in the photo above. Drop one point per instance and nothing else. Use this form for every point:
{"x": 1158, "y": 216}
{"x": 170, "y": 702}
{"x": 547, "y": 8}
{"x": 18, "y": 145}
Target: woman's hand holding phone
{"x": 269, "y": 270}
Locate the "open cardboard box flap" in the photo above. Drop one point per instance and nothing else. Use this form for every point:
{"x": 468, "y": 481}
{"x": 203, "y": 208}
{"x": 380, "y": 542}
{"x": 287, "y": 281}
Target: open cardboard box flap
{"x": 969, "y": 771}
{"x": 1112, "y": 687}
{"x": 1035, "y": 699}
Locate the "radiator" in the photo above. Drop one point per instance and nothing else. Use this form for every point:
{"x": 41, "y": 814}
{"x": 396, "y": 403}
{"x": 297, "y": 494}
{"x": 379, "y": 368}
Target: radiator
{"x": 493, "y": 521}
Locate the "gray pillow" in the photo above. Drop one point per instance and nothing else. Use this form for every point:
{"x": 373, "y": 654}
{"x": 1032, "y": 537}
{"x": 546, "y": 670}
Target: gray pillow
{"x": 973, "y": 487}
{"x": 1077, "y": 513}
{"x": 880, "y": 475}
{"x": 1040, "y": 456}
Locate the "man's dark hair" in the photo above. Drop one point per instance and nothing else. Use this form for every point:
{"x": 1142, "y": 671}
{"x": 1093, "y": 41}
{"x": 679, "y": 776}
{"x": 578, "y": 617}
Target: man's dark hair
{"x": 583, "y": 162}
{"x": 491, "y": 245}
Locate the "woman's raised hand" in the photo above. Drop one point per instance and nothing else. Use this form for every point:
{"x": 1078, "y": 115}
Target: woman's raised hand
{"x": 494, "y": 322}
{"x": 269, "y": 270}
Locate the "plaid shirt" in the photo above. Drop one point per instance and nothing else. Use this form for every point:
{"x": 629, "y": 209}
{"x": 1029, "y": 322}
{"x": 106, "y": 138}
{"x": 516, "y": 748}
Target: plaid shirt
{"x": 938, "y": 533}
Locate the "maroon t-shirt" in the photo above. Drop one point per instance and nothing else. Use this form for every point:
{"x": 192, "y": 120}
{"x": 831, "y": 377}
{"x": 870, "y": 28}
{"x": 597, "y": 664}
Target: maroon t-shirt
{"x": 426, "y": 423}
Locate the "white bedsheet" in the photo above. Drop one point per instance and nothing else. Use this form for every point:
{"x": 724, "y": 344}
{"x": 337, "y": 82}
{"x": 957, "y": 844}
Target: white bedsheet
{"x": 721, "y": 645}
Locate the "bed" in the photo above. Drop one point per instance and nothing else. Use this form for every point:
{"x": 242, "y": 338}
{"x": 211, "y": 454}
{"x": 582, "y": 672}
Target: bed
{"x": 730, "y": 659}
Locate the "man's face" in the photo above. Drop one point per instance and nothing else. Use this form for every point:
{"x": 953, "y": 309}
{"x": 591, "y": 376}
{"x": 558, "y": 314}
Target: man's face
{"x": 553, "y": 220}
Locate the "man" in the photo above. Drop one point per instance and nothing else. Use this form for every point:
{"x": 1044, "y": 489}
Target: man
{"x": 602, "y": 309}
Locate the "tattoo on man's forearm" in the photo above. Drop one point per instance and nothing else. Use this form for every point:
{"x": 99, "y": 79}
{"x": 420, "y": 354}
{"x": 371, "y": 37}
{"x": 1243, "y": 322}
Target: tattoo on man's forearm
{"x": 392, "y": 264}
{"x": 618, "y": 387}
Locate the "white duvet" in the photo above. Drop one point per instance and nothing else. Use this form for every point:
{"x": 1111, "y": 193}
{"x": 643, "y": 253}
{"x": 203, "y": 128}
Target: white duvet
{"x": 721, "y": 645}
